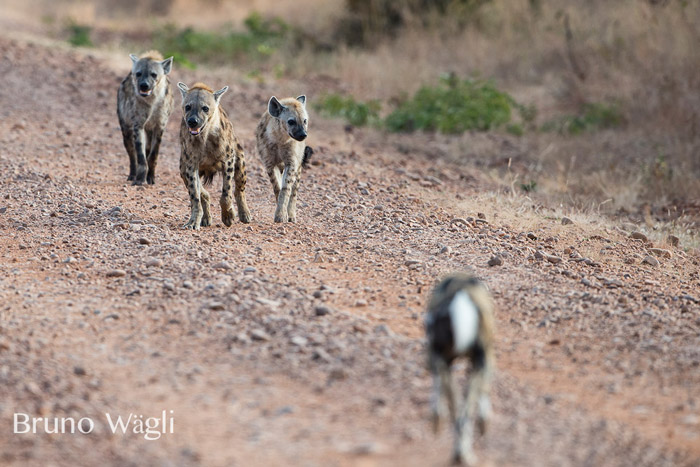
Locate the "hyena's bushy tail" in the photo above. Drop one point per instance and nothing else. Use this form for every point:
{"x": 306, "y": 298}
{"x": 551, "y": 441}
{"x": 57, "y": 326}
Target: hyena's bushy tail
{"x": 308, "y": 152}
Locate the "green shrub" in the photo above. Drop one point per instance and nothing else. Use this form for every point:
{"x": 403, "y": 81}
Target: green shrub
{"x": 593, "y": 116}
{"x": 454, "y": 106}
{"x": 261, "y": 39}
{"x": 355, "y": 112}
{"x": 79, "y": 35}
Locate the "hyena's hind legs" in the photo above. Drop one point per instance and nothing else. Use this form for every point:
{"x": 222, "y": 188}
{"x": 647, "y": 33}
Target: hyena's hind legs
{"x": 241, "y": 178}
{"x": 154, "y": 138}
{"x": 476, "y": 408}
{"x": 225, "y": 200}
{"x": 443, "y": 395}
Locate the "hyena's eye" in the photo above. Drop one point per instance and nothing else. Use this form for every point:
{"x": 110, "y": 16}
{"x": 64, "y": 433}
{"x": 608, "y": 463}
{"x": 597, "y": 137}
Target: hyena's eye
{"x": 205, "y": 109}
{"x": 154, "y": 75}
{"x": 188, "y": 108}
{"x": 304, "y": 121}
{"x": 291, "y": 122}
{"x": 138, "y": 74}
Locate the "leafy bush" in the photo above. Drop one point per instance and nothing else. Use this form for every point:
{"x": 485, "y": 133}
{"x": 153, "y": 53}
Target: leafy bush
{"x": 355, "y": 112}
{"x": 261, "y": 39}
{"x": 594, "y": 116}
{"x": 79, "y": 35}
{"x": 454, "y": 106}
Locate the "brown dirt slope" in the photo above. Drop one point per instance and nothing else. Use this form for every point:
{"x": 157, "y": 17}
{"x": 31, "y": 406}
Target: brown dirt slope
{"x": 106, "y": 305}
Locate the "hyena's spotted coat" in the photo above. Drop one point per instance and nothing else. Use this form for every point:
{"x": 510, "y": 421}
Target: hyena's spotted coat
{"x": 209, "y": 145}
{"x": 280, "y": 136}
{"x": 144, "y": 104}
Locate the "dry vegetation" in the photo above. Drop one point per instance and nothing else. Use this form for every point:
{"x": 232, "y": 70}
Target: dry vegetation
{"x": 635, "y": 59}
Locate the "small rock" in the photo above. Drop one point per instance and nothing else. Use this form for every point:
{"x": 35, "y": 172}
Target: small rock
{"x": 259, "y": 335}
{"x": 116, "y": 273}
{"x": 144, "y": 241}
{"x": 317, "y": 294}
{"x": 321, "y": 355}
{"x": 216, "y": 306}
{"x": 154, "y": 263}
{"x": 223, "y": 265}
{"x": 79, "y": 370}
{"x": 481, "y": 215}
{"x": 650, "y": 260}
{"x": 361, "y": 302}
{"x": 566, "y": 221}
{"x": 553, "y": 259}
{"x": 660, "y": 252}
{"x": 531, "y": 236}
{"x": 446, "y": 250}
{"x": 411, "y": 262}
{"x": 322, "y": 310}
{"x": 249, "y": 269}
{"x": 639, "y": 236}
{"x": 495, "y": 261}
{"x": 299, "y": 341}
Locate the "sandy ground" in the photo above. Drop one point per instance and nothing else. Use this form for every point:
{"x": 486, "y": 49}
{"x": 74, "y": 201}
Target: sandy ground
{"x": 301, "y": 344}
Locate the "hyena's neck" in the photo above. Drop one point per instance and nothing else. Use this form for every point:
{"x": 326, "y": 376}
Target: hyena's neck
{"x": 279, "y": 131}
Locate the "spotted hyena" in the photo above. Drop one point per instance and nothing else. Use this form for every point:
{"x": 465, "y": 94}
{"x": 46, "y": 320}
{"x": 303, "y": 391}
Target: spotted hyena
{"x": 280, "y": 141}
{"x": 144, "y": 104}
{"x": 209, "y": 145}
{"x": 460, "y": 324}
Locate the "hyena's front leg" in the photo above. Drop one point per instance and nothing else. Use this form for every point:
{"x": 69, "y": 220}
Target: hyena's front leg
{"x": 289, "y": 178}
{"x": 292, "y": 209}
{"x": 128, "y": 136}
{"x": 154, "y": 138}
{"x": 275, "y": 179}
{"x": 206, "y": 207}
{"x": 226, "y": 187}
{"x": 239, "y": 174}
{"x": 191, "y": 179}
{"x": 141, "y": 164}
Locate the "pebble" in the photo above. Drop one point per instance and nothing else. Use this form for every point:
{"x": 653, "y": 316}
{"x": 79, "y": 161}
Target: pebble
{"x": 673, "y": 240}
{"x": 249, "y": 269}
{"x": 361, "y": 302}
{"x": 322, "y": 310}
{"x": 299, "y": 341}
{"x": 660, "y": 252}
{"x": 566, "y": 221}
{"x": 216, "y": 306}
{"x": 650, "y": 260}
{"x": 154, "y": 263}
{"x": 495, "y": 261}
{"x": 144, "y": 241}
{"x": 116, "y": 273}
{"x": 639, "y": 236}
{"x": 79, "y": 370}
{"x": 223, "y": 265}
{"x": 553, "y": 259}
{"x": 259, "y": 335}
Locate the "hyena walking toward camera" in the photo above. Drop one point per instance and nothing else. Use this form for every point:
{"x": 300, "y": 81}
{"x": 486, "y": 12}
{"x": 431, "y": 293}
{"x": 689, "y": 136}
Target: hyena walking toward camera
{"x": 144, "y": 104}
{"x": 460, "y": 323}
{"x": 209, "y": 146}
{"x": 280, "y": 136}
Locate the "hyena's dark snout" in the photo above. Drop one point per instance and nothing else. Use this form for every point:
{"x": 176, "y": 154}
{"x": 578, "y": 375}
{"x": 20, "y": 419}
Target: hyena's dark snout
{"x": 299, "y": 135}
{"x": 193, "y": 122}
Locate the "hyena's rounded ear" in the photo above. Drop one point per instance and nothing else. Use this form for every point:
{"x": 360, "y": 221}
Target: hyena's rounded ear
{"x": 183, "y": 89}
{"x": 302, "y": 99}
{"x": 274, "y": 107}
{"x": 133, "y": 58}
{"x": 219, "y": 93}
{"x": 167, "y": 65}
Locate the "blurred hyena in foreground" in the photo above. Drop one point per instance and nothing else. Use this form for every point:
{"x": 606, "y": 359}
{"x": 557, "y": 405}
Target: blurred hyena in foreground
{"x": 209, "y": 145}
{"x": 144, "y": 104}
{"x": 460, "y": 323}
{"x": 280, "y": 136}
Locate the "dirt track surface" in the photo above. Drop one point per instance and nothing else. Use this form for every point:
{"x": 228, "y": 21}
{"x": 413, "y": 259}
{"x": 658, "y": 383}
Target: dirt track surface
{"x": 598, "y": 353}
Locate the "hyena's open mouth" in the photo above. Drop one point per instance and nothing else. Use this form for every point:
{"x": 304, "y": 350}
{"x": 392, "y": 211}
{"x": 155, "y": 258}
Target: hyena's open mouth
{"x": 195, "y": 131}
{"x": 146, "y": 93}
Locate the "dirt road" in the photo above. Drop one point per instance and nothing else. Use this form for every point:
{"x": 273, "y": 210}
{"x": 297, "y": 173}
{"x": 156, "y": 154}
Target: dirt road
{"x": 302, "y": 344}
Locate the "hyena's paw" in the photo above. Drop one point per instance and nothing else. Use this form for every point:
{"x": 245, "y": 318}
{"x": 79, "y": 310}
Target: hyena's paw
{"x": 279, "y": 218}
{"x": 227, "y": 216}
{"x": 292, "y": 218}
{"x": 464, "y": 458}
{"x": 140, "y": 177}
{"x": 151, "y": 179}
{"x": 191, "y": 224}
{"x": 130, "y": 178}
{"x": 244, "y": 215}
{"x": 206, "y": 221}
